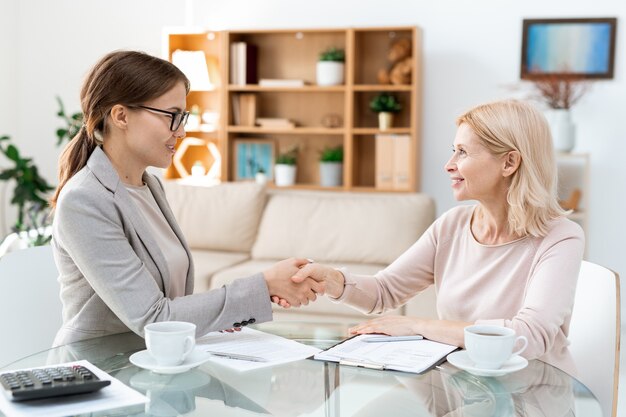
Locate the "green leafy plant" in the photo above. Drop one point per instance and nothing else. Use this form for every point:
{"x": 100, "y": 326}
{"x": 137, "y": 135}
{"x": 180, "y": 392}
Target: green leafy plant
{"x": 29, "y": 193}
{"x": 73, "y": 123}
{"x": 333, "y": 54}
{"x": 385, "y": 102}
{"x": 31, "y": 190}
{"x": 288, "y": 158}
{"x": 332, "y": 154}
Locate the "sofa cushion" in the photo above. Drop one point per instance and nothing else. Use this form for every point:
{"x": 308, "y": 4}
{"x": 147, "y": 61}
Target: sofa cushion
{"x": 222, "y": 217}
{"x": 342, "y": 227}
{"x": 322, "y": 306}
{"x": 207, "y": 263}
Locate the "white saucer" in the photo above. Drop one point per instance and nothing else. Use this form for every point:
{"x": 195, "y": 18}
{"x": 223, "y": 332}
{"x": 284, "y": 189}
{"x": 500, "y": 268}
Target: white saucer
{"x": 461, "y": 360}
{"x": 143, "y": 359}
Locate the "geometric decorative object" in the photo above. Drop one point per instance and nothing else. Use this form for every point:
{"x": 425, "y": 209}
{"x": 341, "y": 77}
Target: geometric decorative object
{"x": 192, "y": 150}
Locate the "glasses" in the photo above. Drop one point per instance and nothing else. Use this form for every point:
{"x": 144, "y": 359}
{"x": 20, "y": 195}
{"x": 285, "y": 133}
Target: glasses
{"x": 178, "y": 118}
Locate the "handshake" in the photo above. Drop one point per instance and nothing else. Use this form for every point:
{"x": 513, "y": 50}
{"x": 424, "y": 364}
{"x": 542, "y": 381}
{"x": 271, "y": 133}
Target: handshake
{"x": 296, "y": 281}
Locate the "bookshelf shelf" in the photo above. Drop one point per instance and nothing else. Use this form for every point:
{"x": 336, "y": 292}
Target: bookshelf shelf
{"x": 304, "y": 89}
{"x": 293, "y": 131}
{"x": 376, "y": 131}
{"x": 379, "y": 87}
{"x": 325, "y": 116}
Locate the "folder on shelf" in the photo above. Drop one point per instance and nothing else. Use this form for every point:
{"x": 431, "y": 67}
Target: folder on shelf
{"x": 415, "y": 356}
{"x": 393, "y": 161}
{"x": 401, "y": 165}
{"x": 384, "y": 161}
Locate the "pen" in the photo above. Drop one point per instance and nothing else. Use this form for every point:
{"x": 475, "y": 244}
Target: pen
{"x": 392, "y": 338}
{"x": 238, "y": 356}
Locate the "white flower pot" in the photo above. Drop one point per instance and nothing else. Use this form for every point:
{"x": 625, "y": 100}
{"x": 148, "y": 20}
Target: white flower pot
{"x": 260, "y": 178}
{"x": 331, "y": 174}
{"x": 284, "y": 175}
{"x": 385, "y": 120}
{"x": 562, "y": 129}
{"x": 329, "y": 73}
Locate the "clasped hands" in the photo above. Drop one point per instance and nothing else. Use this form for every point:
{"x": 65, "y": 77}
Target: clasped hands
{"x": 297, "y": 281}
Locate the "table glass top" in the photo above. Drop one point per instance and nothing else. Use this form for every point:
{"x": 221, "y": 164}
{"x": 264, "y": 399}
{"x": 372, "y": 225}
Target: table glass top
{"x": 315, "y": 388}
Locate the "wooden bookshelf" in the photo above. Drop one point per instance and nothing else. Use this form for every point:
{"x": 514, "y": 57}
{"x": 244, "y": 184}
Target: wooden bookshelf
{"x": 293, "y": 54}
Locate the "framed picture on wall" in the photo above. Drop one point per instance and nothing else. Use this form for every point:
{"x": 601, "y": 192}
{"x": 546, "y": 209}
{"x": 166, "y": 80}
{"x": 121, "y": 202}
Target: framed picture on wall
{"x": 581, "y": 48}
{"x": 252, "y": 156}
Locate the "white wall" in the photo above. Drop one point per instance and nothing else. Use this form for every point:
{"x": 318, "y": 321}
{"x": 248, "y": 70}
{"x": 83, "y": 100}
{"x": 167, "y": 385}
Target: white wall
{"x": 8, "y": 69}
{"x": 8, "y": 91}
{"x": 471, "y": 55}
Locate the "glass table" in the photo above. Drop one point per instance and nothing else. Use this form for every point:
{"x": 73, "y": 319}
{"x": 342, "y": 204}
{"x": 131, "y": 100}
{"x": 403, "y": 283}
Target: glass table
{"x": 315, "y": 388}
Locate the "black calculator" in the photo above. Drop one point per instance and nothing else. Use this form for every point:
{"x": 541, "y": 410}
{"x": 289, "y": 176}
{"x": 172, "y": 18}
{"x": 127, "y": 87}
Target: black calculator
{"x": 56, "y": 381}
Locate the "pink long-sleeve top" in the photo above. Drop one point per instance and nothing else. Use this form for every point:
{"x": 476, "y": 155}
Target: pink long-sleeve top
{"x": 527, "y": 284}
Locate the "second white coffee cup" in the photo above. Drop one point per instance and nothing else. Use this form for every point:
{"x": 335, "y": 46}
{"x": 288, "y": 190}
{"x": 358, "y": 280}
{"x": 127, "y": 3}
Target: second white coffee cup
{"x": 490, "y": 346}
{"x": 169, "y": 342}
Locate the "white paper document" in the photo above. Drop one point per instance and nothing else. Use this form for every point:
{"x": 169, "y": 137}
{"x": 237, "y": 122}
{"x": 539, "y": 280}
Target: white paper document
{"x": 115, "y": 395}
{"x": 264, "y": 349}
{"x": 406, "y": 356}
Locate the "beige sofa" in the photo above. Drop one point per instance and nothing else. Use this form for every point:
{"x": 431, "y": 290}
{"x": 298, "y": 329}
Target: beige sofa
{"x": 238, "y": 229}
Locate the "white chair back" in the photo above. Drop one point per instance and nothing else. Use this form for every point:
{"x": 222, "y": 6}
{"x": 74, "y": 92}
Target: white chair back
{"x": 30, "y": 306}
{"x": 595, "y": 333}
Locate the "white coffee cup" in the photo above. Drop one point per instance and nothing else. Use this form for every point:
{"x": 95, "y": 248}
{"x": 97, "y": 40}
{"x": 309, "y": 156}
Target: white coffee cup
{"x": 169, "y": 342}
{"x": 490, "y": 346}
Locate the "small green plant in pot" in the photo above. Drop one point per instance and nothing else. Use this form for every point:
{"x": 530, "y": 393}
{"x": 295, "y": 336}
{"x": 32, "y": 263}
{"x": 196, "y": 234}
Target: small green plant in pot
{"x": 331, "y": 167}
{"x": 330, "y": 67}
{"x": 285, "y": 168}
{"x": 385, "y": 105}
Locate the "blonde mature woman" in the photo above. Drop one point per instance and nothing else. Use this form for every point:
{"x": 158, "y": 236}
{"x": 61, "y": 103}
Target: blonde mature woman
{"x": 512, "y": 259}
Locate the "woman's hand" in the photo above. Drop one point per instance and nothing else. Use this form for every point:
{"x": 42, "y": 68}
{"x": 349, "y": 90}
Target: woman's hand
{"x": 332, "y": 279}
{"x": 282, "y": 287}
{"x": 391, "y": 325}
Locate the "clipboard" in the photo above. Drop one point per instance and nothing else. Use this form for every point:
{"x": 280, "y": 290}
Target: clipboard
{"x": 413, "y": 356}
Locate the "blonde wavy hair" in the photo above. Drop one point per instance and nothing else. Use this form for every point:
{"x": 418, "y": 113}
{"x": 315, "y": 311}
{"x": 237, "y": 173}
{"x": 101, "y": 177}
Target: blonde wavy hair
{"x": 510, "y": 125}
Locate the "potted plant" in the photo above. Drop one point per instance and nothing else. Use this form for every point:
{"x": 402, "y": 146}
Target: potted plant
{"x": 31, "y": 190}
{"x": 385, "y": 105}
{"x": 560, "y": 93}
{"x": 260, "y": 177}
{"x": 285, "y": 168}
{"x": 331, "y": 167}
{"x": 29, "y": 194}
{"x": 330, "y": 67}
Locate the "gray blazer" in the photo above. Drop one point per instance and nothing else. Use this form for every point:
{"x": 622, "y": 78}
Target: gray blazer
{"x": 113, "y": 274}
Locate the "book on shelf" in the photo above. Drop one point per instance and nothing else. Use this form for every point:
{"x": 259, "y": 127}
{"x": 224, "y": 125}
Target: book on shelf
{"x": 243, "y": 63}
{"x": 244, "y": 109}
{"x": 275, "y": 122}
{"x": 281, "y": 82}
{"x": 248, "y": 109}
{"x": 392, "y": 161}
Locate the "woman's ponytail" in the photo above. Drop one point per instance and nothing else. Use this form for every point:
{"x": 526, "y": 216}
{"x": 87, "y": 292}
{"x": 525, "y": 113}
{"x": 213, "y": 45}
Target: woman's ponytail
{"x": 74, "y": 158}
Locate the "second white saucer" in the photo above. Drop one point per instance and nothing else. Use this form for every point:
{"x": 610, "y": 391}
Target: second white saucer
{"x": 143, "y": 359}
{"x": 461, "y": 360}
